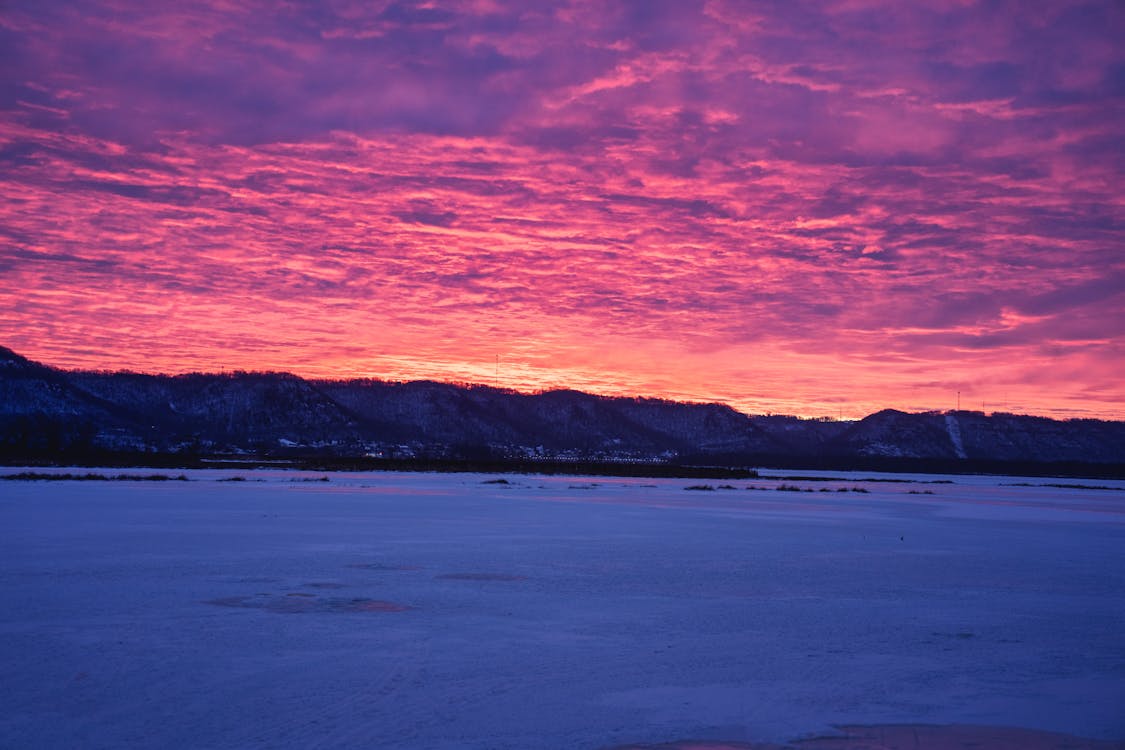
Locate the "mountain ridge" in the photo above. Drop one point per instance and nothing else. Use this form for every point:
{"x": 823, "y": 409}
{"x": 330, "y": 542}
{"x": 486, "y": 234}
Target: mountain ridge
{"x": 44, "y": 410}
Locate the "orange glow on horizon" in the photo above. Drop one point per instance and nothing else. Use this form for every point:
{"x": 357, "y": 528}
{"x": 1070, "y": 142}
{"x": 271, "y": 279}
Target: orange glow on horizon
{"x": 786, "y": 213}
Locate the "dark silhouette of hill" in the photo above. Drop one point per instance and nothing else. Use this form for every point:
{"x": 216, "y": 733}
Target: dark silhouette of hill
{"x": 46, "y": 413}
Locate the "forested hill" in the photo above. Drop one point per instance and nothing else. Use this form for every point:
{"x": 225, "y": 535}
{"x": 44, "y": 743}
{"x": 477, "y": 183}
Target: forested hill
{"x": 45, "y": 411}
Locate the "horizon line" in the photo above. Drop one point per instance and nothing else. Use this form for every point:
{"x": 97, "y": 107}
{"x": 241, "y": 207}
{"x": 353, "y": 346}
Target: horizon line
{"x": 469, "y": 384}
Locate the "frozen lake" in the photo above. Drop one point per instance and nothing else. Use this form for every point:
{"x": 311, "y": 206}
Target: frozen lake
{"x": 431, "y": 611}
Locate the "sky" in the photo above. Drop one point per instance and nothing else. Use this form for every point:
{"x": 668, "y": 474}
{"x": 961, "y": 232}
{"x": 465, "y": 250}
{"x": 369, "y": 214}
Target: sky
{"x": 802, "y": 207}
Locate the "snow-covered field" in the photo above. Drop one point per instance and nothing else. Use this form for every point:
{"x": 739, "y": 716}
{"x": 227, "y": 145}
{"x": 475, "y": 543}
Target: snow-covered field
{"x": 440, "y": 611}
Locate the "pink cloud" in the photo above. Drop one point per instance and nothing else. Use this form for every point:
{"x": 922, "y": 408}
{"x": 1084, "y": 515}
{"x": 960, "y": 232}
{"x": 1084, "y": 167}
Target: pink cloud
{"x": 786, "y": 213}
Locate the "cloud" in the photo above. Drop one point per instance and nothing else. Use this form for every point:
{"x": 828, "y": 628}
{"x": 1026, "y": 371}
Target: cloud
{"x": 692, "y": 200}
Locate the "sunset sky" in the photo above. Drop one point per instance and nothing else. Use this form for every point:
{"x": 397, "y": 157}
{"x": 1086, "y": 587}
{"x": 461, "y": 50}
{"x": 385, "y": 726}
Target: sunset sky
{"x": 815, "y": 208}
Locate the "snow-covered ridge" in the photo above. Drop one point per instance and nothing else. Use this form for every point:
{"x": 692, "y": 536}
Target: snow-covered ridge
{"x": 46, "y": 410}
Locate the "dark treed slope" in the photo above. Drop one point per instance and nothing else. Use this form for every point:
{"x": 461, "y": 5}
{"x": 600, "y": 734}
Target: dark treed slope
{"x": 45, "y": 411}
{"x": 253, "y": 409}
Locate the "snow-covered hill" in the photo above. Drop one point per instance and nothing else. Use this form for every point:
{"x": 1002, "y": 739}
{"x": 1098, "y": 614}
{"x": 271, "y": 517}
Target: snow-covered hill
{"x": 44, "y": 410}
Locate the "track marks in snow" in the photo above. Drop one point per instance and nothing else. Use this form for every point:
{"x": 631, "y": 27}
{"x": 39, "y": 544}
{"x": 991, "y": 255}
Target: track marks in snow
{"x": 305, "y": 603}
{"x": 497, "y": 577}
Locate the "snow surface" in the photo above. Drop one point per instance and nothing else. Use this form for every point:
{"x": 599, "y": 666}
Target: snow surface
{"x": 438, "y": 611}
